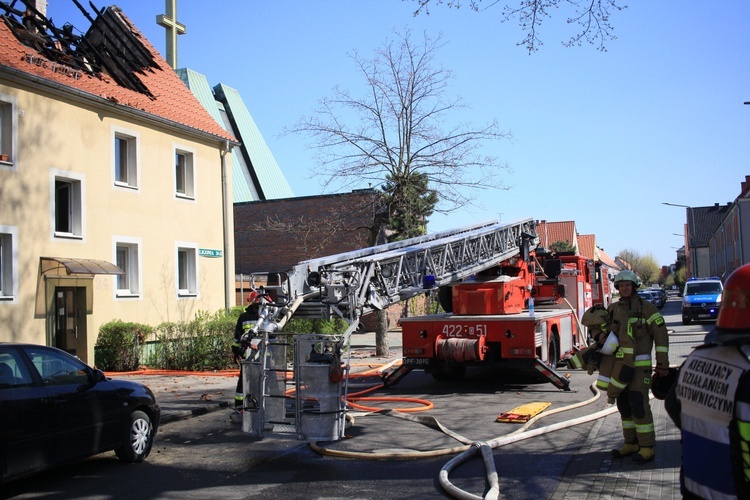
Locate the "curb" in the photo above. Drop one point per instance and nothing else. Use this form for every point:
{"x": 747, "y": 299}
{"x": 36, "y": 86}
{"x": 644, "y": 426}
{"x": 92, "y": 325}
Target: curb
{"x": 173, "y": 416}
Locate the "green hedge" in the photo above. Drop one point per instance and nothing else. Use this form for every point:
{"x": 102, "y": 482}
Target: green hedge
{"x": 203, "y": 344}
{"x": 199, "y": 345}
{"x": 118, "y": 345}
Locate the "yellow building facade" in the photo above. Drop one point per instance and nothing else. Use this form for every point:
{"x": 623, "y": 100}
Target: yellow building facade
{"x": 115, "y": 201}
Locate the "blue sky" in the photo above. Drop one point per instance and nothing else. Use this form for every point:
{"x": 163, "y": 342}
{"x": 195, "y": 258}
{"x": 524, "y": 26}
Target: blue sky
{"x": 601, "y": 138}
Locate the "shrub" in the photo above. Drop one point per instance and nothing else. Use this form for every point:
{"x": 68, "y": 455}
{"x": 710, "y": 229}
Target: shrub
{"x": 336, "y": 326}
{"x": 201, "y": 344}
{"x": 118, "y": 345}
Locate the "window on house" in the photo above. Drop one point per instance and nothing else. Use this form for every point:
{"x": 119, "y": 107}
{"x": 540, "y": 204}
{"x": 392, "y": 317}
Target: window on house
{"x": 127, "y": 259}
{"x": 8, "y": 263}
{"x": 8, "y": 131}
{"x": 67, "y": 207}
{"x": 126, "y": 169}
{"x": 184, "y": 175}
{"x": 187, "y": 281}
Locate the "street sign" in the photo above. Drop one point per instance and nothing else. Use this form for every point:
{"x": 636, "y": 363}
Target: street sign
{"x": 207, "y": 252}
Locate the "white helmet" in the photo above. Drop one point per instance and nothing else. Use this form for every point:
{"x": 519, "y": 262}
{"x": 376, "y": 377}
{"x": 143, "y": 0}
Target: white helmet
{"x": 610, "y": 344}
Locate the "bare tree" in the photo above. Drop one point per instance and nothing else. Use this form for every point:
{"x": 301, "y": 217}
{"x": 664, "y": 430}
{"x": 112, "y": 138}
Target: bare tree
{"x": 645, "y": 266}
{"x": 399, "y": 128}
{"x": 396, "y": 136}
{"x": 591, "y": 17}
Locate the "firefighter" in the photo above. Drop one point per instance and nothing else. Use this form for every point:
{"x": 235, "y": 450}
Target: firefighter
{"x": 711, "y": 402}
{"x": 639, "y": 326}
{"x": 245, "y": 323}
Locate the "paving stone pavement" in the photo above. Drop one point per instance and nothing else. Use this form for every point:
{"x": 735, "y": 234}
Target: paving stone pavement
{"x": 594, "y": 474}
{"x": 591, "y": 474}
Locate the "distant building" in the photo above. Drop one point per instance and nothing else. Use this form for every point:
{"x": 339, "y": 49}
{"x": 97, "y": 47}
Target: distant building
{"x": 702, "y": 223}
{"x": 274, "y": 235}
{"x": 113, "y": 184}
{"x": 552, "y": 232}
{"x": 255, "y": 174}
{"x": 587, "y": 246}
{"x": 729, "y": 243}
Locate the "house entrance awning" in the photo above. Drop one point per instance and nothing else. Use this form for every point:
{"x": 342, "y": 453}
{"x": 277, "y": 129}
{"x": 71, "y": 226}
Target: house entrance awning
{"x": 67, "y": 272}
{"x": 62, "y": 266}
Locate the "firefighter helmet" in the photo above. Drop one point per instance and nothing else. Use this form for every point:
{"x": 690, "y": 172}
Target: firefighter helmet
{"x": 660, "y": 386}
{"x": 627, "y": 275}
{"x": 733, "y": 321}
{"x": 611, "y": 344}
{"x": 735, "y": 305}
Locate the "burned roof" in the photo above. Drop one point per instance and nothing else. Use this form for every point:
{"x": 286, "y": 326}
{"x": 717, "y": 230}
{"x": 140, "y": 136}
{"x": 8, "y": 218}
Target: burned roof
{"x": 112, "y": 60}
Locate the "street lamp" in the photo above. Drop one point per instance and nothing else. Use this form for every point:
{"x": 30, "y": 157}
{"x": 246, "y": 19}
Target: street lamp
{"x": 691, "y": 236}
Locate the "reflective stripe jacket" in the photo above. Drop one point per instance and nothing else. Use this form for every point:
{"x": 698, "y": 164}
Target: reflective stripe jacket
{"x": 713, "y": 391}
{"x": 639, "y": 325}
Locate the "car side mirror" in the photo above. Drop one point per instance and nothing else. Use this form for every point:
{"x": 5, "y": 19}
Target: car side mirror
{"x": 94, "y": 377}
{"x": 99, "y": 376}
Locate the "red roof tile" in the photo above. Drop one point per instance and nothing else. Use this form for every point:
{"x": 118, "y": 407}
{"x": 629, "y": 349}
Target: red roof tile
{"x": 607, "y": 260}
{"x": 587, "y": 246}
{"x": 172, "y": 100}
{"x": 551, "y": 232}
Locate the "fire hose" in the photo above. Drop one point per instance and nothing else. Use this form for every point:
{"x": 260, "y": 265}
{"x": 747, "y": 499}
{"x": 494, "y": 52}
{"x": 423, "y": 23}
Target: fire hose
{"x": 467, "y": 445}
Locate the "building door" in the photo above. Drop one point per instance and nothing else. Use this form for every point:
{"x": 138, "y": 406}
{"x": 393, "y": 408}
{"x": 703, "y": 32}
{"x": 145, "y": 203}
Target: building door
{"x": 69, "y": 312}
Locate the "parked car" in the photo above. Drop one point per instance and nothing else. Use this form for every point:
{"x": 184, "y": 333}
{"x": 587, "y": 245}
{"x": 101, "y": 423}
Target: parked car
{"x": 701, "y": 299}
{"x": 56, "y": 409}
{"x": 646, "y": 294}
{"x": 660, "y": 295}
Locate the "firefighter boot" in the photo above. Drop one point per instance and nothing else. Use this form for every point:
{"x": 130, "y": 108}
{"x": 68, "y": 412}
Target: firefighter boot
{"x": 625, "y": 450}
{"x": 644, "y": 455}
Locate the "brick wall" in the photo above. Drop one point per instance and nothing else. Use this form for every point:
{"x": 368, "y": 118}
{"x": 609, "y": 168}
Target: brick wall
{"x": 274, "y": 235}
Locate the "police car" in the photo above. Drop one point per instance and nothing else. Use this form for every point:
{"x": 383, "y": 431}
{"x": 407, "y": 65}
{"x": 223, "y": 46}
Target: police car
{"x": 701, "y": 299}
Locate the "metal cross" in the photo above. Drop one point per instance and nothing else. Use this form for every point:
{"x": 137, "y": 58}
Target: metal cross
{"x": 169, "y": 21}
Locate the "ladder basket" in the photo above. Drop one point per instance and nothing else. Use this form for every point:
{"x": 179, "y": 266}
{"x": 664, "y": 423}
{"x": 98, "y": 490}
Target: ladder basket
{"x": 320, "y": 402}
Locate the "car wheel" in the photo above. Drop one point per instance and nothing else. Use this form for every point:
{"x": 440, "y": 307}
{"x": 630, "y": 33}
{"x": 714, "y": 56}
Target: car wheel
{"x": 685, "y": 320}
{"x": 137, "y": 439}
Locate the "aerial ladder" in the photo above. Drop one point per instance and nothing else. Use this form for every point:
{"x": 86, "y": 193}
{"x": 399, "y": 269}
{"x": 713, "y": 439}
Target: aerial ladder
{"x": 308, "y": 399}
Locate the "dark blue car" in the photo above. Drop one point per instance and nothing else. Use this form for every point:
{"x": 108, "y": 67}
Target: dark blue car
{"x": 56, "y": 409}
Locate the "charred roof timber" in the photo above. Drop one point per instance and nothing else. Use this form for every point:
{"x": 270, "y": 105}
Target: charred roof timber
{"x": 109, "y": 45}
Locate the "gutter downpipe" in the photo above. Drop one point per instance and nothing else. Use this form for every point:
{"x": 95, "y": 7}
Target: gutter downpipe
{"x": 228, "y": 276}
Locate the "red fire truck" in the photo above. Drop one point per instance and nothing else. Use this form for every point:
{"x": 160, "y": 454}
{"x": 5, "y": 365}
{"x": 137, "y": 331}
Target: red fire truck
{"x": 520, "y": 314}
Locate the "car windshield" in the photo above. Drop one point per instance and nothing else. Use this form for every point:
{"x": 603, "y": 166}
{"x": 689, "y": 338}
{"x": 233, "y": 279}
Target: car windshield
{"x": 702, "y": 288}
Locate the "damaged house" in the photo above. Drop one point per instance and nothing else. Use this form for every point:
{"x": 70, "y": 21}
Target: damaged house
{"x": 115, "y": 195}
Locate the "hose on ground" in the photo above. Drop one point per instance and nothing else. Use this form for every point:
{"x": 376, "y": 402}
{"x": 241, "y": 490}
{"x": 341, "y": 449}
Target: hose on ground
{"x": 493, "y": 493}
{"x": 412, "y": 455}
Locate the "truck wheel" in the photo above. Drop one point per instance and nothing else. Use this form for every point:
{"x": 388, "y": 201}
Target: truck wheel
{"x": 448, "y": 373}
{"x": 553, "y": 351}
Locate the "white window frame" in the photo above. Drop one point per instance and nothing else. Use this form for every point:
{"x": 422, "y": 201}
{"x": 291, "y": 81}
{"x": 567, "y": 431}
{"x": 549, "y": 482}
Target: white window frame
{"x": 132, "y": 151}
{"x": 132, "y": 266}
{"x": 188, "y": 177}
{"x": 77, "y": 204}
{"x": 8, "y": 132}
{"x": 186, "y": 269}
{"x": 8, "y": 265}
